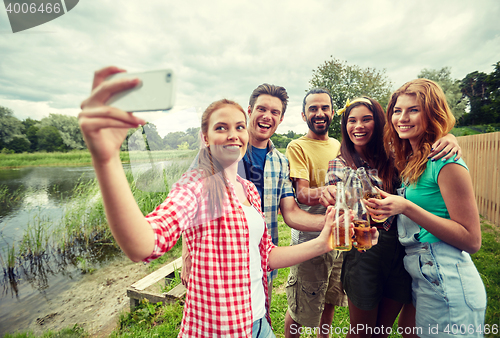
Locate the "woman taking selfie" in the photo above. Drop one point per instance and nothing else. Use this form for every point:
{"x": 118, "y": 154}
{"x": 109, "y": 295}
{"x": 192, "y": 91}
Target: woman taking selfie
{"x": 217, "y": 211}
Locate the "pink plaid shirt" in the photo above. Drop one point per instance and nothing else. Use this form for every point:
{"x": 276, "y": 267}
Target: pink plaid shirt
{"x": 218, "y": 300}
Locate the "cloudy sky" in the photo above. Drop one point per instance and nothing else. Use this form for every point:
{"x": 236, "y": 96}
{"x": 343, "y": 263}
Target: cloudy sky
{"x": 223, "y": 48}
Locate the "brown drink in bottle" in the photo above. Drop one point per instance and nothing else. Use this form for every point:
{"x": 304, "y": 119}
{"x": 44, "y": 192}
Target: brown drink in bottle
{"x": 341, "y": 230}
{"x": 369, "y": 190}
{"x": 361, "y": 221}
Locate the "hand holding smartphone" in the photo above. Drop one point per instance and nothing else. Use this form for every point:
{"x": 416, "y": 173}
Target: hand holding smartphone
{"x": 155, "y": 92}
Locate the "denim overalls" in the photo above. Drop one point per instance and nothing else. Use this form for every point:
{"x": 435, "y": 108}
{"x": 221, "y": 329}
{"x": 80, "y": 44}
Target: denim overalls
{"x": 447, "y": 291}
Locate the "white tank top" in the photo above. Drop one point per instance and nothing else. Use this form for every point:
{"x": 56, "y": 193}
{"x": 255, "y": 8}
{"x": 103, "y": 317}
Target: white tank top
{"x": 256, "y": 228}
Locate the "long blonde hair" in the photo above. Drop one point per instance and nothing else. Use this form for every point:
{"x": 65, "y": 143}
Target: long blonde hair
{"x": 215, "y": 185}
{"x": 438, "y": 121}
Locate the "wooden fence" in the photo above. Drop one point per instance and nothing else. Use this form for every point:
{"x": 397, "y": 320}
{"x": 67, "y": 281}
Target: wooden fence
{"x": 482, "y": 155}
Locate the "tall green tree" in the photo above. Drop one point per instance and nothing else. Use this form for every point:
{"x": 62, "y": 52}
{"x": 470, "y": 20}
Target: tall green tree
{"x": 345, "y": 81}
{"x": 475, "y": 87}
{"x": 31, "y": 130}
{"x": 29, "y": 122}
{"x": 492, "y": 109}
{"x": 10, "y": 127}
{"x": 19, "y": 144}
{"x": 451, "y": 87}
{"x": 32, "y": 135}
{"x": 280, "y": 141}
{"x": 173, "y": 139}
{"x": 293, "y": 135}
{"x": 68, "y": 128}
{"x": 50, "y": 140}
{"x": 154, "y": 141}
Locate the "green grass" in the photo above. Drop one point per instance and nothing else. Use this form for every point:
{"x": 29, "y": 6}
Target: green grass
{"x": 464, "y": 131}
{"x": 150, "y": 320}
{"x": 73, "y": 332}
{"x": 475, "y": 129}
{"x": 486, "y": 261}
{"x": 490, "y": 272}
{"x": 155, "y": 320}
{"x": 82, "y": 157}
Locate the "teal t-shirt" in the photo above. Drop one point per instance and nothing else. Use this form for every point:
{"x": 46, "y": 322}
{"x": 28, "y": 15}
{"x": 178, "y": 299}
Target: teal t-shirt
{"x": 426, "y": 194}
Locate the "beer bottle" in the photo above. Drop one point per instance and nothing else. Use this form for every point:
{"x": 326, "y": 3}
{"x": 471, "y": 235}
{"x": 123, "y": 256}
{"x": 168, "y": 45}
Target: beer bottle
{"x": 361, "y": 220}
{"x": 341, "y": 230}
{"x": 351, "y": 177}
{"x": 369, "y": 190}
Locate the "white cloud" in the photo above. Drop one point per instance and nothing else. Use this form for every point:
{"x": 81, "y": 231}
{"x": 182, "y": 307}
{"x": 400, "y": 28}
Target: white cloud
{"x": 35, "y": 110}
{"x": 174, "y": 120}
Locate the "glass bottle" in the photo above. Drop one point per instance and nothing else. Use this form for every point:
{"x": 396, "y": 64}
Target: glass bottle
{"x": 361, "y": 220}
{"x": 351, "y": 177}
{"x": 369, "y": 190}
{"x": 341, "y": 230}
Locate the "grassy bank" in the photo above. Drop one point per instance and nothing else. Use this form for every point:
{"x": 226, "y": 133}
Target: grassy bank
{"x": 155, "y": 320}
{"x": 151, "y": 319}
{"x": 82, "y": 157}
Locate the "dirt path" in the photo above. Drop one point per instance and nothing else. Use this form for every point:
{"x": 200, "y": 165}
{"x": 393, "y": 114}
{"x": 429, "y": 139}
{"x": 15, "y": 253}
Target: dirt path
{"x": 95, "y": 302}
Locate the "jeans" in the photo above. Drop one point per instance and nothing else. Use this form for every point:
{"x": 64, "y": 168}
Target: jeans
{"x": 447, "y": 291}
{"x": 262, "y": 329}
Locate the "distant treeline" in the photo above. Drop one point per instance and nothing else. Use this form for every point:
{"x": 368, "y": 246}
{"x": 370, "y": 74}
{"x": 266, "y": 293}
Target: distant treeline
{"x": 474, "y": 100}
{"x": 62, "y": 133}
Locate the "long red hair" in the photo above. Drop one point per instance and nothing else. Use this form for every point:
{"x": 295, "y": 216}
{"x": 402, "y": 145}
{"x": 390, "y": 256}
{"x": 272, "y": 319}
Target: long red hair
{"x": 438, "y": 121}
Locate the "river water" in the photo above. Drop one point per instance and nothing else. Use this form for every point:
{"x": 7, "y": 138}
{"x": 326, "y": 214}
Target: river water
{"x": 34, "y": 194}
{"x": 38, "y": 193}
{"x": 41, "y": 194}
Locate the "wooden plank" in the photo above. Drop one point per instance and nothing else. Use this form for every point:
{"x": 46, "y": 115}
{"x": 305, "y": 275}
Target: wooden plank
{"x": 152, "y": 297}
{"x": 178, "y": 292}
{"x": 157, "y": 275}
{"x": 496, "y": 184}
{"x": 136, "y": 291}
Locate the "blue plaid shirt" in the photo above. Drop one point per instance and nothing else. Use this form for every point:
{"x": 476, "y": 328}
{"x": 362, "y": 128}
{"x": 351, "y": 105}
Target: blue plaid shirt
{"x": 277, "y": 185}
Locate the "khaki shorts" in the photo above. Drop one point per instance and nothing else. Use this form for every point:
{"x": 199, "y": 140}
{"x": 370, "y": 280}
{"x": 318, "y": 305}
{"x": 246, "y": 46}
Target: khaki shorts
{"x": 313, "y": 283}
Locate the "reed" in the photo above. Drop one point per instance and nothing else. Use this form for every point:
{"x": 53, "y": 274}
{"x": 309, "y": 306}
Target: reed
{"x": 9, "y": 198}
{"x": 35, "y": 241}
{"x": 81, "y": 237}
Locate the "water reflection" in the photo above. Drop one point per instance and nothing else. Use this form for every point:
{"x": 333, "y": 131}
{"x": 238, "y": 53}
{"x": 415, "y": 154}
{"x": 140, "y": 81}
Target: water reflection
{"x": 34, "y": 203}
{"x": 32, "y": 200}
{"x": 41, "y": 186}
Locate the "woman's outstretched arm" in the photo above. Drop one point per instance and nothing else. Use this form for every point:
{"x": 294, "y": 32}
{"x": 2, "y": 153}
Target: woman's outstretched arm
{"x": 104, "y": 129}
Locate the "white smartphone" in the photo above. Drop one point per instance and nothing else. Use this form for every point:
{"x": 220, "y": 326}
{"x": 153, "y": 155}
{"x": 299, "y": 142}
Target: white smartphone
{"x": 155, "y": 92}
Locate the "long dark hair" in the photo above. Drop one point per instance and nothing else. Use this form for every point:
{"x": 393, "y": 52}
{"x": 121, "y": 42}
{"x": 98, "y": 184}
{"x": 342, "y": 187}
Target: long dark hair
{"x": 375, "y": 153}
{"x": 215, "y": 185}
